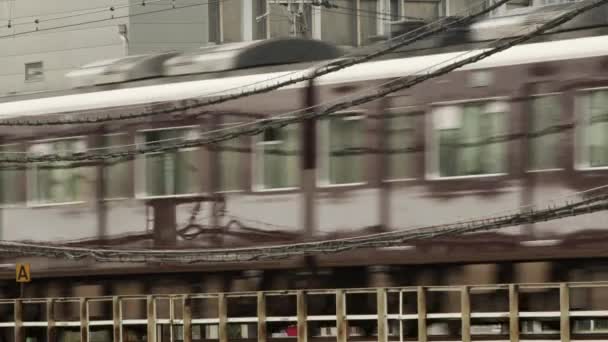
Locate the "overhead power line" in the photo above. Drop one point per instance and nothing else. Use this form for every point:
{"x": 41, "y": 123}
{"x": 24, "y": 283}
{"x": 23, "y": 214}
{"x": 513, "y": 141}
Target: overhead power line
{"x": 586, "y": 202}
{"x": 112, "y": 17}
{"x": 54, "y": 16}
{"x": 388, "y": 88}
{"x": 333, "y": 66}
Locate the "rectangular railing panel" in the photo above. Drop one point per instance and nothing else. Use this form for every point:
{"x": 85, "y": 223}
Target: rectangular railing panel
{"x": 348, "y": 321}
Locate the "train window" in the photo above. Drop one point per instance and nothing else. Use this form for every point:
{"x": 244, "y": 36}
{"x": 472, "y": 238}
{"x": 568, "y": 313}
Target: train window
{"x": 466, "y": 137}
{"x": 400, "y": 133}
{"x": 544, "y": 142}
{"x": 11, "y": 179}
{"x": 276, "y": 154}
{"x": 170, "y": 173}
{"x": 343, "y": 141}
{"x": 54, "y": 184}
{"x": 117, "y": 184}
{"x": 594, "y": 110}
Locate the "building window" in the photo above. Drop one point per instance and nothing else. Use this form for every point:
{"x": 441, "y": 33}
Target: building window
{"x": 116, "y": 174}
{"x": 277, "y": 158}
{"x": 400, "y": 135}
{"x": 465, "y": 136}
{"x": 171, "y": 173}
{"x": 544, "y": 143}
{"x": 11, "y": 191}
{"x": 343, "y": 141}
{"x": 54, "y": 183}
{"x": 427, "y": 10}
{"x": 34, "y": 71}
{"x": 594, "y": 149}
{"x": 338, "y": 22}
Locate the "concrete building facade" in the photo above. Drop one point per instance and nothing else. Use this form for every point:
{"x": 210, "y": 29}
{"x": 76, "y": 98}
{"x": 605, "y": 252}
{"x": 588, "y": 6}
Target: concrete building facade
{"x": 40, "y": 41}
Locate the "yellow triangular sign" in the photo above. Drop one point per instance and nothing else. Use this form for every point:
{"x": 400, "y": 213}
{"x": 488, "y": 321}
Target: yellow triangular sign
{"x": 23, "y": 273}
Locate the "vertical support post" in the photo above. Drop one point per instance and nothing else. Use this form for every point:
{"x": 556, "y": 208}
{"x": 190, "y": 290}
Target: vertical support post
{"x": 151, "y": 316}
{"x": 267, "y": 19}
{"x": 116, "y": 318}
{"x": 171, "y": 320}
{"x": 223, "y": 318}
{"x": 465, "y": 311}
{"x": 220, "y": 21}
{"x": 316, "y": 22}
{"x": 247, "y": 20}
{"x": 564, "y": 308}
{"x": 302, "y": 313}
{"x": 342, "y": 324}
{"x": 383, "y": 164}
{"x": 358, "y": 33}
{"x": 421, "y": 304}
{"x": 215, "y": 179}
{"x": 261, "y": 317}
{"x": 513, "y": 314}
{"x": 100, "y": 190}
{"x": 18, "y": 313}
{"x": 84, "y": 320}
{"x": 309, "y": 165}
{"x": 400, "y": 316}
{"x": 50, "y": 319}
{"x": 187, "y": 317}
{"x": 382, "y": 315}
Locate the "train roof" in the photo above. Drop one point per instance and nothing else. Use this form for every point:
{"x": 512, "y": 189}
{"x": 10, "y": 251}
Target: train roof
{"x": 232, "y": 82}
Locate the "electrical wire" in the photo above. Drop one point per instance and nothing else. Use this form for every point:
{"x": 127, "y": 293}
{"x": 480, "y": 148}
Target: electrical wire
{"x": 378, "y": 14}
{"x": 172, "y": 8}
{"x": 586, "y": 202}
{"x": 319, "y": 70}
{"x": 388, "y": 88}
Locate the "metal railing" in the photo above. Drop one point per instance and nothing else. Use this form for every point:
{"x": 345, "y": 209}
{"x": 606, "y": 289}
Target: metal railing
{"x": 412, "y": 309}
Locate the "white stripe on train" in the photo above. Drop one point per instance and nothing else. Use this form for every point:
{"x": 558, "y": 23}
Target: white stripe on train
{"x": 523, "y": 54}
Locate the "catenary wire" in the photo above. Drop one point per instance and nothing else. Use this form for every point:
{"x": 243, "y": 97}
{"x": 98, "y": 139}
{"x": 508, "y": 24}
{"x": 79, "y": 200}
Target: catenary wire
{"x": 586, "y": 202}
{"x": 15, "y": 34}
{"x": 319, "y": 70}
{"x": 84, "y": 11}
{"x": 390, "y": 87}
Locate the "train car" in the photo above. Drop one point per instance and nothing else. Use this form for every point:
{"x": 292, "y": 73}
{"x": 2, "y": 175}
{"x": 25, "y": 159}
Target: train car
{"x": 408, "y": 160}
